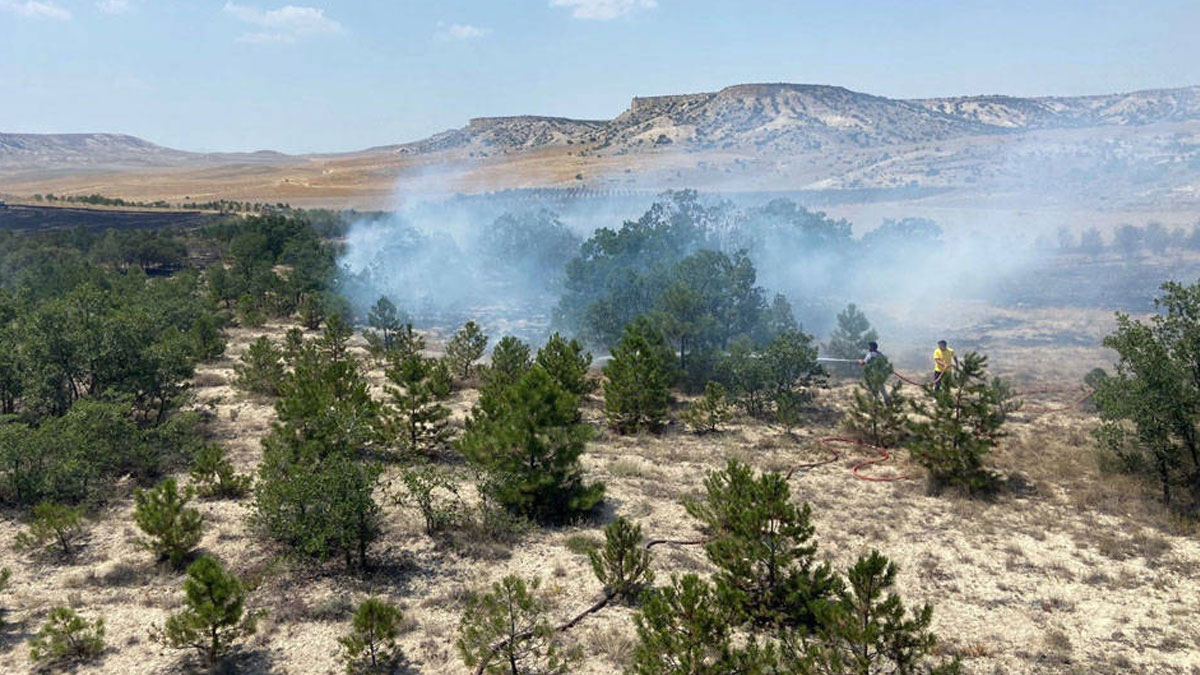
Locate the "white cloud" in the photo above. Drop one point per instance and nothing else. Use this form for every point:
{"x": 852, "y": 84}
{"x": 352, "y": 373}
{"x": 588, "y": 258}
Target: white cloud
{"x": 34, "y": 9}
{"x": 286, "y": 24}
{"x": 113, "y": 6}
{"x": 460, "y": 31}
{"x": 603, "y": 10}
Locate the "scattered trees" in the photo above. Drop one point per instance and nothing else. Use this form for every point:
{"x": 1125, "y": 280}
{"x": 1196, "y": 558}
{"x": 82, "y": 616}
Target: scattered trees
{"x": 877, "y": 414}
{"x": 418, "y": 419}
{"x": 567, "y": 363}
{"x": 261, "y": 370}
{"x": 214, "y": 476}
{"x": 708, "y": 412}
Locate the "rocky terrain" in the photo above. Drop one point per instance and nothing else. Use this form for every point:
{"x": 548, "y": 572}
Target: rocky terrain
{"x": 1135, "y": 155}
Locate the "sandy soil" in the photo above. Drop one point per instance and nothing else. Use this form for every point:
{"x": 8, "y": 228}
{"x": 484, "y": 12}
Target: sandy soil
{"x": 1078, "y": 571}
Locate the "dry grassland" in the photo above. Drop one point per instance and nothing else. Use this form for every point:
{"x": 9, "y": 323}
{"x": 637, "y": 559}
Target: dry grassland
{"x": 1072, "y": 571}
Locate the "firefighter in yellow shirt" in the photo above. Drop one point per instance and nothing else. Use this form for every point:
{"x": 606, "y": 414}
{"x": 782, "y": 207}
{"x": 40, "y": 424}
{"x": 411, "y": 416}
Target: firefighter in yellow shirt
{"x": 943, "y": 361}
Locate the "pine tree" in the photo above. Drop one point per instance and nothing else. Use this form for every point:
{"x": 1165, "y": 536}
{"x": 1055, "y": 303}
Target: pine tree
{"x": 513, "y": 617}
{"x": 420, "y": 422}
{"x": 55, "y": 527}
{"x": 312, "y": 311}
{"x": 954, "y": 432}
{"x": 510, "y": 360}
{"x": 762, "y": 546}
{"x": 684, "y": 628}
{"x": 214, "y": 474}
{"x": 877, "y": 414}
{"x": 214, "y": 615}
{"x": 639, "y": 375}
{"x": 261, "y": 370}
{"x": 623, "y": 566}
{"x": 465, "y": 348}
{"x": 529, "y": 444}
{"x": 568, "y": 363}
{"x": 864, "y": 631}
{"x": 173, "y": 529}
{"x": 385, "y": 323}
{"x": 849, "y": 340}
{"x": 371, "y": 645}
{"x": 707, "y": 413}
{"x": 67, "y": 637}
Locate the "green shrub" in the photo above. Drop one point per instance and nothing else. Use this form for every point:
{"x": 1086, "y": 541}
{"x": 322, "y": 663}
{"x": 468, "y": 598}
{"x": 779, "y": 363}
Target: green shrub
{"x": 214, "y": 475}
{"x": 762, "y": 545}
{"x": 67, "y": 637}
{"x": 709, "y": 412}
{"x": 465, "y": 348}
{"x": 312, "y": 311}
{"x": 435, "y": 495}
{"x": 529, "y": 445}
{"x": 623, "y": 566}
{"x": 510, "y": 360}
{"x": 513, "y": 618}
{"x": 173, "y": 530}
{"x": 261, "y": 370}
{"x": 371, "y": 645}
{"x": 54, "y": 527}
{"x": 214, "y": 616}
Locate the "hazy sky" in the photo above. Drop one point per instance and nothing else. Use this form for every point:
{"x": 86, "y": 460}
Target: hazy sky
{"x": 326, "y": 75}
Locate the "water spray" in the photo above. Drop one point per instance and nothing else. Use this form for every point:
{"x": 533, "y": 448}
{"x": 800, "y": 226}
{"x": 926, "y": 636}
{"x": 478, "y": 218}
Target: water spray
{"x": 833, "y": 360}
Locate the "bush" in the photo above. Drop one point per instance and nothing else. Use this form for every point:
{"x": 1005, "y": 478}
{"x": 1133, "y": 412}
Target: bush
{"x": 172, "y": 528}
{"x": 709, "y": 412}
{"x": 312, "y": 311}
{"x": 567, "y": 363}
{"x": 528, "y": 445}
{"x": 214, "y": 474}
{"x": 261, "y": 370}
{"x": 960, "y": 426}
{"x": 1148, "y": 406}
{"x": 465, "y": 348}
{"x": 762, "y": 545}
{"x": 623, "y": 566}
{"x": 214, "y": 616}
{"x": 371, "y": 645}
{"x": 639, "y": 376}
{"x": 506, "y": 631}
{"x": 54, "y": 527}
{"x": 434, "y": 494}
{"x": 5, "y": 577}
{"x": 67, "y": 637}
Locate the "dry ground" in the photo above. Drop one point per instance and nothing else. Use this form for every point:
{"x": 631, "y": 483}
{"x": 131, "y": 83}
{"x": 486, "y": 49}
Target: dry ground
{"x": 1076, "y": 571}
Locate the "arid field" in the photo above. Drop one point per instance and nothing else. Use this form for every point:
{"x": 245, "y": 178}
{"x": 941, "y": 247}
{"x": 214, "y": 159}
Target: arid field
{"x": 1072, "y": 569}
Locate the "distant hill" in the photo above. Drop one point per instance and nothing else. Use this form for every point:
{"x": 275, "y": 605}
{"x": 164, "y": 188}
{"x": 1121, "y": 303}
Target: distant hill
{"x": 106, "y": 152}
{"x": 1138, "y": 150}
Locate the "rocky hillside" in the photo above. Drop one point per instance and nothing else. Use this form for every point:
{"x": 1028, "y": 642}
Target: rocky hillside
{"x": 1056, "y": 112}
{"x": 791, "y": 118}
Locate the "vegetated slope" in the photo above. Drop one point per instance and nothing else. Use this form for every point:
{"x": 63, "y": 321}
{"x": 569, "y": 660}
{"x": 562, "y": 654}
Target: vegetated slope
{"x": 106, "y": 151}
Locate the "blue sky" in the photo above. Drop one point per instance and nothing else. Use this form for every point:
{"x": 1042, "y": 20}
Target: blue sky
{"x": 328, "y": 75}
